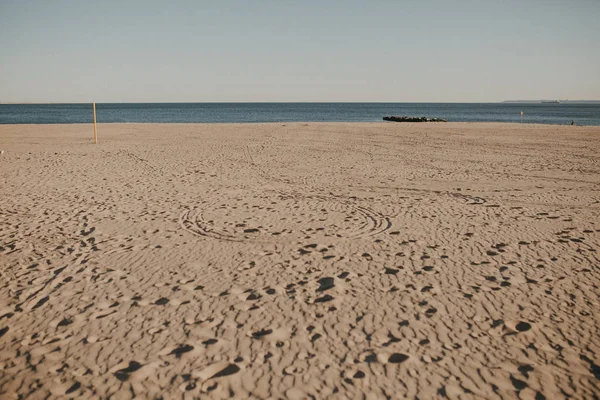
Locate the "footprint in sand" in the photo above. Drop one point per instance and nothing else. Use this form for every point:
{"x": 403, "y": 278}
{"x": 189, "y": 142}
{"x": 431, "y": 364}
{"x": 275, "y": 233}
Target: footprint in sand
{"x": 324, "y": 299}
{"x": 390, "y": 271}
{"x": 123, "y": 374}
{"x": 181, "y": 349}
{"x": 261, "y": 333}
{"x": 325, "y": 283}
{"x": 162, "y": 301}
{"x": 398, "y": 358}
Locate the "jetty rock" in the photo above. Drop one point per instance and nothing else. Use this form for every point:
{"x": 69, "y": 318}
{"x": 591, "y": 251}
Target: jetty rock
{"x": 413, "y": 119}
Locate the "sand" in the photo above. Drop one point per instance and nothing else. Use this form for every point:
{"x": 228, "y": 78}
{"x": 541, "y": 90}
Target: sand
{"x": 300, "y": 261}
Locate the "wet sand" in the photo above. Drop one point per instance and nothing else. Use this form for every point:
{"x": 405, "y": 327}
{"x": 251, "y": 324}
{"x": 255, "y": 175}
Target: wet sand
{"x": 334, "y": 260}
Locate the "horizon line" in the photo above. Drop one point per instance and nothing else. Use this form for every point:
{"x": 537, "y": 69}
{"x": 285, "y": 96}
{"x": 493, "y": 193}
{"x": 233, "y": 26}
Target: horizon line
{"x": 290, "y": 102}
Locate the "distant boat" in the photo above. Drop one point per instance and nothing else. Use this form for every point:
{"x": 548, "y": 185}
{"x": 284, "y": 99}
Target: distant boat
{"x": 550, "y": 101}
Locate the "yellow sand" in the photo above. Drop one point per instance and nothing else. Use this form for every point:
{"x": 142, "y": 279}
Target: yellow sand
{"x": 300, "y": 260}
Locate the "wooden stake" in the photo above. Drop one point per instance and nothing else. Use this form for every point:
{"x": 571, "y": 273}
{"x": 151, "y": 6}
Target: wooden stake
{"x": 95, "y": 132}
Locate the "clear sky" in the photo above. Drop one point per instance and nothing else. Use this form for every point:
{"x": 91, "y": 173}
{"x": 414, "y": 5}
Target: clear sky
{"x": 310, "y": 50}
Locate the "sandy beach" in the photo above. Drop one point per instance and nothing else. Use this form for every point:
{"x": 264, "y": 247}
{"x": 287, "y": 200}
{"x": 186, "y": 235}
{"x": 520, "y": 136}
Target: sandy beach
{"x": 300, "y": 260}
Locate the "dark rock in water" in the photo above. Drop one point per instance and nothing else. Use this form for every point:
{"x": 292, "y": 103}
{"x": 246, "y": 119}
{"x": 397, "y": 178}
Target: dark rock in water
{"x": 413, "y": 119}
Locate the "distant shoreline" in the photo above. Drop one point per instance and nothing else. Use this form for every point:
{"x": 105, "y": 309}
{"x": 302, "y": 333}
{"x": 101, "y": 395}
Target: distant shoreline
{"x": 550, "y": 101}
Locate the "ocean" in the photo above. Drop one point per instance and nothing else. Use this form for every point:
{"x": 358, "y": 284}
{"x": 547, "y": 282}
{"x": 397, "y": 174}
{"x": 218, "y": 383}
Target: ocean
{"x": 540, "y": 113}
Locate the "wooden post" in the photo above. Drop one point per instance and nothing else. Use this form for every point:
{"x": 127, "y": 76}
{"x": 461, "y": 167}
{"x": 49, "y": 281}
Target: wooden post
{"x": 95, "y": 132}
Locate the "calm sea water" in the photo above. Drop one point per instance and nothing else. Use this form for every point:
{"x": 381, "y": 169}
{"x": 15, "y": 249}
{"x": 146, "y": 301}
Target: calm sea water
{"x": 563, "y": 113}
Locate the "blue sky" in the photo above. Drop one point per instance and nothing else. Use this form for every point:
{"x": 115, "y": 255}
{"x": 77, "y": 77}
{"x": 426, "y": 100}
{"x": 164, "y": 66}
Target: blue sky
{"x": 328, "y": 50}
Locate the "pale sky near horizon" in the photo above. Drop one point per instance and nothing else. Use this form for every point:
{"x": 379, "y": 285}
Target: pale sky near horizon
{"x": 311, "y": 50}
